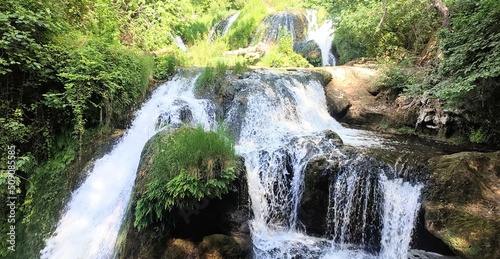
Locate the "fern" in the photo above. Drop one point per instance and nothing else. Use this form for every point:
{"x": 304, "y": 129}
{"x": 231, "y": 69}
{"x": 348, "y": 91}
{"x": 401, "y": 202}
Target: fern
{"x": 189, "y": 165}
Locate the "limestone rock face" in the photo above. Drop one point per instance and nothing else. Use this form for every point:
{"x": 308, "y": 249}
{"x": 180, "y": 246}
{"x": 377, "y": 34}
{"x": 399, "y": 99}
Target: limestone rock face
{"x": 294, "y": 21}
{"x": 462, "y": 206}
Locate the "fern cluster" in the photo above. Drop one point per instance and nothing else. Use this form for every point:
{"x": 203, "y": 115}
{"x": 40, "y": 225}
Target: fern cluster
{"x": 187, "y": 166}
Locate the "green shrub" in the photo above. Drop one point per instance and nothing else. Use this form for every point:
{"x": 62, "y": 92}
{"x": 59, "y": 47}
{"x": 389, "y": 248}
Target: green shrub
{"x": 283, "y": 55}
{"x": 479, "y": 136}
{"x": 187, "y": 166}
{"x": 405, "y": 29}
{"x": 211, "y": 78}
{"x": 167, "y": 63}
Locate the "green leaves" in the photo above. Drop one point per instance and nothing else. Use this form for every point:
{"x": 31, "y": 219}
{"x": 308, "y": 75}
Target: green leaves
{"x": 404, "y": 31}
{"x": 471, "y": 48}
{"x": 188, "y": 166}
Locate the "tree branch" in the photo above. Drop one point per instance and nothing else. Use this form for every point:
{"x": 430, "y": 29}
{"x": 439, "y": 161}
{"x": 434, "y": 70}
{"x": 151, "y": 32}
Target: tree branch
{"x": 384, "y": 7}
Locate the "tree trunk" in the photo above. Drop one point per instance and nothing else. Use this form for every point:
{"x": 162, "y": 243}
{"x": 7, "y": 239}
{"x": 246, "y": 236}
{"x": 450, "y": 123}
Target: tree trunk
{"x": 384, "y": 7}
{"x": 443, "y": 12}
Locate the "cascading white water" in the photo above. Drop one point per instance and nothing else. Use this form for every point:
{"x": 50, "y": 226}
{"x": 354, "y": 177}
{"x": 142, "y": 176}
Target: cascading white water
{"x": 222, "y": 27}
{"x": 281, "y": 121}
{"x": 90, "y": 223}
{"x": 400, "y": 211}
{"x": 323, "y": 36}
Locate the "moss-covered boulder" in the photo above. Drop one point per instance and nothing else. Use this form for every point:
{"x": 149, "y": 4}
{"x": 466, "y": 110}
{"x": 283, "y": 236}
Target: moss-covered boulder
{"x": 179, "y": 231}
{"x": 462, "y": 206}
{"x": 310, "y": 51}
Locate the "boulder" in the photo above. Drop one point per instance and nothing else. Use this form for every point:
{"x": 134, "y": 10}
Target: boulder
{"x": 462, "y": 205}
{"x": 315, "y": 199}
{"x": 183, "y": 235}
{"x": 310, "y": 51}
{"x": 355, "y": 96}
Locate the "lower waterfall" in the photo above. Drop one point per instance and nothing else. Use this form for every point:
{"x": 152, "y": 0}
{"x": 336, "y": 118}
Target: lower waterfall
{"x": 283, "y": 123}
{"x": 280, "y": 121}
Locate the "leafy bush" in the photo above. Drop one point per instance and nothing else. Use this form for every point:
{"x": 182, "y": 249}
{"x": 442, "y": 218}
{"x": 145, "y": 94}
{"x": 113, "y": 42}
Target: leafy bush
{"x": 283, "y": 55}
{"x": 479, "y": 136}
{"x": 471, "y": 49}
{"x": 404, "y": 31}
{"x": 167, "y": 63}
{"x": 189, "y": 165}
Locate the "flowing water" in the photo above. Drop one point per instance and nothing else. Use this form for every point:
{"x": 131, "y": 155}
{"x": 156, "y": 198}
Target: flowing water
{"x": 323, "y": 36}
{"x": 280, "y": 120}
{"x": 222, "y": 27}
{"x": 91, "y": 220}
{"x": 283, "y": 119}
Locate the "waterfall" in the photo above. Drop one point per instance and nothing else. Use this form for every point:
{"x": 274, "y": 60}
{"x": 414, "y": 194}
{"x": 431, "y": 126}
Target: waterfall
{"x": 270, "y": 29}
{"x": 222, "y": 27}
{"x": 91, "y": 220}
{"x": 180, "y": 43}
{"x": 281, "y": 121}
{"x": 322, "y": 35}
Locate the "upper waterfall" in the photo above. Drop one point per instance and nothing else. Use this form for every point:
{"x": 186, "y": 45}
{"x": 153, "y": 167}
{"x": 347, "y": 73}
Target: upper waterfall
{"x": 222, "y": 27}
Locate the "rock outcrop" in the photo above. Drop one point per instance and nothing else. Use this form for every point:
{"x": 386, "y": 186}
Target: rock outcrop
{"x": 462, "y": 206}
{"x": 310, "y": 51}
{"x": 355, "y": 96}
{"x": 213, "y": 228}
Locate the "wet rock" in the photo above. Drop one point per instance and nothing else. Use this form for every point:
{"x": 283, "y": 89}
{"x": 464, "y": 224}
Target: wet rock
{"x": 462, "y": 205}
{"x": 224, "y": 247}
{"x": 314, "y": 204}
{"x": 310, "y": 51}
{"x": 180, "y": 248}
{"x": 333, "y": 137}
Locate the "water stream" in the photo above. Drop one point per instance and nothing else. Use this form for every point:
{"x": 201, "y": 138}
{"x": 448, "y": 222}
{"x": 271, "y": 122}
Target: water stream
{"x": 279, "y": 120}
{"x": 322, "y": 35}
{"x": 91, "y": 220}
{"x": 283, "y": 122}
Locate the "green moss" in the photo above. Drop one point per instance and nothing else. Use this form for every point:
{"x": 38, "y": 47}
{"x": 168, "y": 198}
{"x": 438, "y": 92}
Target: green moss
{"x": 184, "y": 166}
{"x": 283, "y": 55}
{"x": 222, "y": 246}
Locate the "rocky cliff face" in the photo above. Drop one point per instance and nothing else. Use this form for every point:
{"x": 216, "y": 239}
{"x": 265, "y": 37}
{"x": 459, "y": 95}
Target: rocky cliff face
{"x": 463, "y": 203}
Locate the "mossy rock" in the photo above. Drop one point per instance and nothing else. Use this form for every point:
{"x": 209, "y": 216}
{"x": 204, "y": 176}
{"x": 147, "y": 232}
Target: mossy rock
{"x": 220, "y": 246}
{"x": 463, "y": 203}
{"x": 310, "y": 51}
{"x": 180, "y": 248}
{"x": 315, "y": 198}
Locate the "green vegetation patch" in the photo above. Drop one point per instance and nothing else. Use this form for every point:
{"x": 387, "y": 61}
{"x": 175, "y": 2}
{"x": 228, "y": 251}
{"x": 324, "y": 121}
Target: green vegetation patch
{"x": 283, "y": 55}
{"x": 186, "y": 166}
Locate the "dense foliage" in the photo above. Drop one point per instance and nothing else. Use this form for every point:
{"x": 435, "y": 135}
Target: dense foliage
{"x": 392, "y": 30}
{"x": 188, "y": 165}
